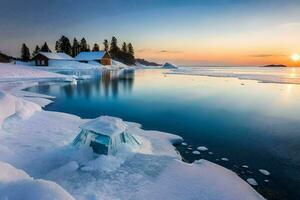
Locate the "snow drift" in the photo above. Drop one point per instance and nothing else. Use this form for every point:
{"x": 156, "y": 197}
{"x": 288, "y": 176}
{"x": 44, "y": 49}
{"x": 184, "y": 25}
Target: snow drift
{"x": 11, "y": 106}
{"x": 16, "y": 184}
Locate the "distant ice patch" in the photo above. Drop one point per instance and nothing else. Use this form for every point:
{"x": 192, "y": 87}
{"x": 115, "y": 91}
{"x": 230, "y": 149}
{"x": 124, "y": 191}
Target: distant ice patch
{"x": 225, "y": 159}
{"x": 196, "y": 152}
{"x": 252, "y": 181}
{"x": 202, "y": 148}
{"x": 264, "y": 172}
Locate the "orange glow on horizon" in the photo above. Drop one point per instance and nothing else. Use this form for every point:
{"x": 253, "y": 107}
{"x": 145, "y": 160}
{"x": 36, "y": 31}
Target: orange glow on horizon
{"x": 214, "y": 57}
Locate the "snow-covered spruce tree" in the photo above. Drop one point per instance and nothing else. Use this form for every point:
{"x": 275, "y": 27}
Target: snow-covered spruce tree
{"x": 36, "y": 50}
{"x": 105, "y": 44}
{"x": 96, "y": 47}
{"x": 25, "y": 53}
{"x": 45, "y": 48}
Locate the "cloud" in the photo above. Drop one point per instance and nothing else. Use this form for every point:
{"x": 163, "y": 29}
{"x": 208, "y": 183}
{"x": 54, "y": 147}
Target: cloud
{"x": 158, "y": 52}
{"x": 144, "y": 50}
{"x": 168, "y": 51}
{"x": 265, "y": 55}
{"x": 290, "y": 25}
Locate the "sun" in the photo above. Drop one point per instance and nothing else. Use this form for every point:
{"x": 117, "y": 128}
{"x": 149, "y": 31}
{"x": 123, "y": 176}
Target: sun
{"x": 295, "y": 57}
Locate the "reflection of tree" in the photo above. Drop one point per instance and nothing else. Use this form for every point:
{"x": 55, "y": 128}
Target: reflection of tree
{"x": 87, "y": 87}
{"x": 111, "y": 81}
{"x": 114, "y": 87}
{"x": 106, "y": 81}
{"x": 116, "y": 79}
{"x": 44, "y": 89}
{"x": 68, "y": 89}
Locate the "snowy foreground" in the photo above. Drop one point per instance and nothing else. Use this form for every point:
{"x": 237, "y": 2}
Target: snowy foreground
{"x": 262, "y": 74}
{"x": 37, "y": 160}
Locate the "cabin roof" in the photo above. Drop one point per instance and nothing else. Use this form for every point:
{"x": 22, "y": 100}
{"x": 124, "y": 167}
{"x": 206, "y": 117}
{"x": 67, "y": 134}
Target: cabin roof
{"x": 56, "y": 56}
{"x": 105, "y": 125}
{"x": 4, "y": 55}
{"x": 90, "y": 56}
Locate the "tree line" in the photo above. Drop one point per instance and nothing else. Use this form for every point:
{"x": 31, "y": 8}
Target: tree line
{"x": 124, "y": 54}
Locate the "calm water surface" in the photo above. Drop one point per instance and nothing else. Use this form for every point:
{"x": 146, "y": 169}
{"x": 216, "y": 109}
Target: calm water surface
{"x": 250, "y": 123}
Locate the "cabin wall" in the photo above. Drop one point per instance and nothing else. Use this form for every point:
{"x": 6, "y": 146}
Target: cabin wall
{"x": 41, "y": 60}
{"x": 106, "y": 61}
{"x": 4, "y": 59}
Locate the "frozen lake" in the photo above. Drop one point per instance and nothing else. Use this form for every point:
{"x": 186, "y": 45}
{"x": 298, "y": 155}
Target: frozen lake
{"x": 241, "y": 122}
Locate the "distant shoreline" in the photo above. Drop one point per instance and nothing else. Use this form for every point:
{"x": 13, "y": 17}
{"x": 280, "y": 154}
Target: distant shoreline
{"x": 272, "y": 65}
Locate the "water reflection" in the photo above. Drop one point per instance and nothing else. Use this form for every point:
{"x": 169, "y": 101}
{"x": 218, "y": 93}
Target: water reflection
{"x": 110, "y": 83}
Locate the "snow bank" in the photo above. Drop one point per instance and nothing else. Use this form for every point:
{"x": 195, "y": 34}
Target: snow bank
{"x": 266, "y": 75}
{"x": 200, "y": 180}
{"x": 118, "y": 65}
{"x": 10, "y": 72}
{"x": 10, "y": 106}
{"x": 16, "y": 184}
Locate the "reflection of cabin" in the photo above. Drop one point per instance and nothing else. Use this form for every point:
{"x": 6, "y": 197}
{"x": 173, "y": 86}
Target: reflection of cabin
{"x": 4, "y": 58}
{"x": 103, "y": 57}
{"x": 43, "y": 58}
{"x": 105, "y": 135}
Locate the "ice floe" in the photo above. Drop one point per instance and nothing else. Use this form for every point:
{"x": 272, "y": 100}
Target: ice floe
{"x": 196, "y": 152}
{"x": 264, "y": 172}
{"x": 252, "y": 181}
{"x": 202, "y": 148}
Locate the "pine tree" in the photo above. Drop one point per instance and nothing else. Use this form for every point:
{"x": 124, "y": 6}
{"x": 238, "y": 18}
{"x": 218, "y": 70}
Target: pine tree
{"x": 105, "y": 43}
{"x": 83, "y": 45}
{"x": 96, "y": 47}
{"x": 124, "y": 47}
{"x": 25, "y": 53}
{"x": 114, "y": 49}
{"x": 63, "y": 45}
{"x": 36, "y": 50}
{"x": 45, "y": 48}
{"x": 75, "y": 48}
{"x": 130, "y": 49}
{"x": 57, "y": 46}
{"x": 114, "y": 44}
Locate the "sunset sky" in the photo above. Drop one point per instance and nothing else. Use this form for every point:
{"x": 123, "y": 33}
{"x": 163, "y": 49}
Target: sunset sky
{"x": 191, "y": 32}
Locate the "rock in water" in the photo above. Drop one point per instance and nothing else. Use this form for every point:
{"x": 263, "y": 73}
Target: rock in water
{"x": 169, "y": 66}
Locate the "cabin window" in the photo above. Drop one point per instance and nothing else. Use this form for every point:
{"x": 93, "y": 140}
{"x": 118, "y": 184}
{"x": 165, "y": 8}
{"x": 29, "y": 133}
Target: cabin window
{"x": 42, "y": 62}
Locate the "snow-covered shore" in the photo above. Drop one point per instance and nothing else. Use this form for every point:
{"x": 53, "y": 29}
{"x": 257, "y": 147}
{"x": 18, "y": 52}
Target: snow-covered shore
{"x": 267, "y": 75}
{"x": 36, "y": 143}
